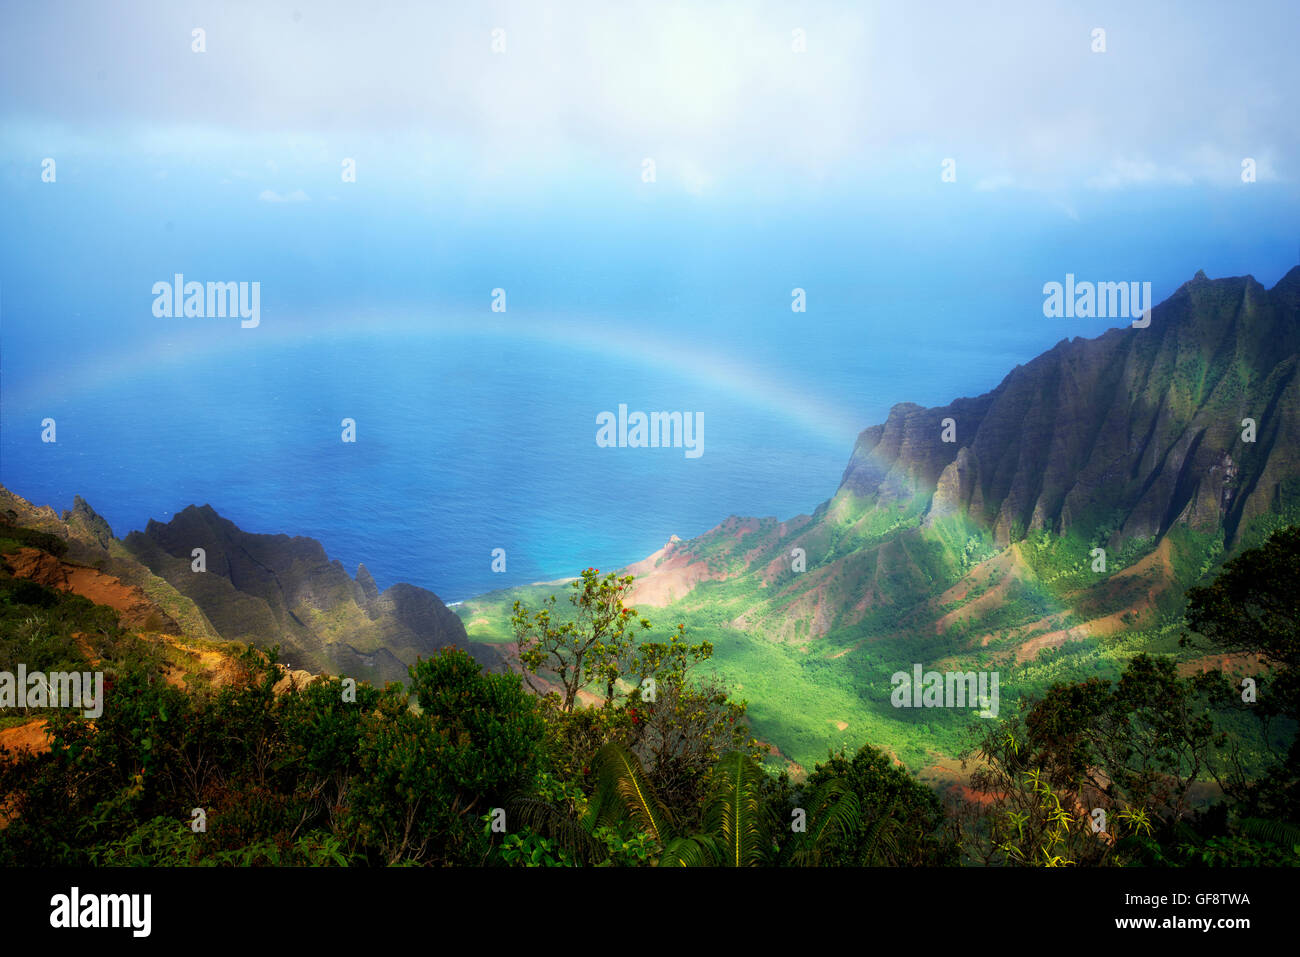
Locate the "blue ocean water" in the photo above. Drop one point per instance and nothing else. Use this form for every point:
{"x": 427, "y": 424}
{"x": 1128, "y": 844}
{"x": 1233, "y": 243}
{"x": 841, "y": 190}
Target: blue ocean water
{"x": 464, "y": 445}
{"x": 375, "y": 306}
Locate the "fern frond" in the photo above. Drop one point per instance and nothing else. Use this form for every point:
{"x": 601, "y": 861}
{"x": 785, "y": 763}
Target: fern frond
{"x": 838, "y": 810}
{"x": 702, "y": 850}
{"x": 735, "y": 814}
{"x": 553, "y": 822}
{"x": 1282, "y": 833}
{"x": 834, "y": 808}
{"x": 623, "y": 791}
{"x": 883, "y": 835}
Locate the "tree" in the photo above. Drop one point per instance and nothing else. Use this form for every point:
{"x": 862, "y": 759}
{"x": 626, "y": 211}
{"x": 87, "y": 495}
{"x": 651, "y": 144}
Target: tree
{"x": 1022, "y": 819}
{"x": 1131, "y": 749}
{"x": 424, "y": 776}
{"x": 324, "y": 727}
{"x": 1253, "y": 607}
{"x": 902, "y": 820}
{"x": 594, "y": 645}
{"x": 492, "y": 725}
{"x": 676, "y": 726}
{"x": 681, "y": 729}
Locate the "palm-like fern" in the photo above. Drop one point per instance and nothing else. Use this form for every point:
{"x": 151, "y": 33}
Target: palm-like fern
{"x": 738, "y": 826}
{"x": 882, "y": 840}
{"x": 737, "y": 831}
{"x": 736, "y": 814}
{"x": 1282, "y": 833}
{"x": 623, "y": 791}
{"x": 835, "y": 809}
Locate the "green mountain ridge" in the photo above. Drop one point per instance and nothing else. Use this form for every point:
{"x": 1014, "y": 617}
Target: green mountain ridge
{"x": 979, "y": 552}
{"x": 265, "y": 589}
{"x": 1110, "y": 442}
{"x": 262, "y": 590}
{"x": 1143, "y": 421}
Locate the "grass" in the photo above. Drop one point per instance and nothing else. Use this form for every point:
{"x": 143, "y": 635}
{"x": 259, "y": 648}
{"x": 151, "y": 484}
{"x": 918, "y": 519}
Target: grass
{"x": 799, "y": 688}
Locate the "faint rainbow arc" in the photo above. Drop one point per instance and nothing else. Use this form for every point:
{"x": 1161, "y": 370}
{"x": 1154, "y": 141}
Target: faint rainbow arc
{"x": 754, "y": 385}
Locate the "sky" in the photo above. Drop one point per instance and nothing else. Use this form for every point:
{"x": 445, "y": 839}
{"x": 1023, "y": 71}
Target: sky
{"x": 504, "y": 145}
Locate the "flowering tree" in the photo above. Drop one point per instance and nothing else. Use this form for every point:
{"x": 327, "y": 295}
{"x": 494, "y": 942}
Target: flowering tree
{"x": 596, "y": 645}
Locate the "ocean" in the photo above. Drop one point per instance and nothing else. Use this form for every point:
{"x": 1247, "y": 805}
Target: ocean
{"x": 464, "y": 444}
{"x": 477, "y": 431}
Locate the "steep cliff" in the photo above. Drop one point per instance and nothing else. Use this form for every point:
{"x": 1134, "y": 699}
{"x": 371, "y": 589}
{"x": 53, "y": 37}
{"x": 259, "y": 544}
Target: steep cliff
{"x": 268, "y": 589}
{"x": 258, "y": 589}
{"x": 1140, "y": 425}
{"x": 1165, "y": 445}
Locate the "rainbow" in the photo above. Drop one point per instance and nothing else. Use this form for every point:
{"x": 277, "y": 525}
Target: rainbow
{"x": 177, "y": 347}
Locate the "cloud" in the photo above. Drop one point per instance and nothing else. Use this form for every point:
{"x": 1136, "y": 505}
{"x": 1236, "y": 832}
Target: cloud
{"x": 1014, "y": 88}
{"x": 271, "y": 196}
{"x": 1121, "y": 173}
{"x": 999, "y": 181}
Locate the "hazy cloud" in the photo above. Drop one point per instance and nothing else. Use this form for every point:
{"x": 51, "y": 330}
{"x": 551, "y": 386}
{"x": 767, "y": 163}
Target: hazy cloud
{"x": 880, "y": 91}
{"x": 271, "y": 196}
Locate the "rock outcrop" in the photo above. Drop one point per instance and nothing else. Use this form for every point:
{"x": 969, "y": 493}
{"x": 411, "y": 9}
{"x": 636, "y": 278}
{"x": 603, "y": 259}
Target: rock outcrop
{"x": 274, "y": 589}
{"x": 262, "y": 590}
{"x": 1138, "y": 429}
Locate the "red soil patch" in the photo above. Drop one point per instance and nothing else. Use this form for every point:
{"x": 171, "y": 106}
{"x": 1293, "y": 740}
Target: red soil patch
{"x": 947, "y": 774}
{"x": 129, "y": 601}
{"x": 1012, "y": 567}
{"x": 220, "y": 669}
{"x": 25, "y": 737}
{"x": 1156, "y": 567}
{"x": 83, "y": 644}
{"x": 660, "y": 582}
{"x": 1238, "y": 664}
{"x": 1097, "y": 627}
{"x": 981, "y": 574}
{"x": 793, "y": 768}
{"x": 673, "y": 571}
{"x": 971, "y": 796}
